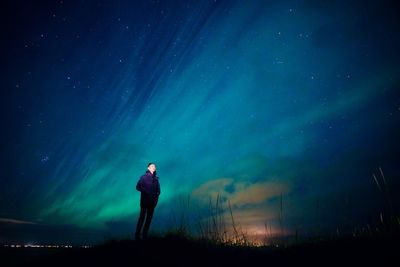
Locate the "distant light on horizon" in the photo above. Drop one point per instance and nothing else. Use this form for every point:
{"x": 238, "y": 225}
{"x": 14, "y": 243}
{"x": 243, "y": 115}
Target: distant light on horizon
{"x": 43, "y": 246}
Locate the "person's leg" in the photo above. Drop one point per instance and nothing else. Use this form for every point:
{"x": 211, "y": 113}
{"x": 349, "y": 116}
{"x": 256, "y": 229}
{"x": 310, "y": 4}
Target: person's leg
{"x": 140, "y": 222}
{"x": 150, "y": 211}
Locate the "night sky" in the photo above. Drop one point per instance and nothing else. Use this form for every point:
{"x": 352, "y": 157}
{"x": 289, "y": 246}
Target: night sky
{"x": 251, "y": 100}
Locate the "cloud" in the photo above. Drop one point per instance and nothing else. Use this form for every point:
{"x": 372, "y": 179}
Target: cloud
{"x": 252, "y": 203}
{"x": 256, "y": 193}
{"x": 240, "y": 193}
{"x": 14, "y": 221}
{"x": 211, "y": 189}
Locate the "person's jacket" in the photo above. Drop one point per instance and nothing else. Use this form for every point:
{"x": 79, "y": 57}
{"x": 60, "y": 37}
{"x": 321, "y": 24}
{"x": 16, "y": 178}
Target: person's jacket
{"x": 149, "y": 187}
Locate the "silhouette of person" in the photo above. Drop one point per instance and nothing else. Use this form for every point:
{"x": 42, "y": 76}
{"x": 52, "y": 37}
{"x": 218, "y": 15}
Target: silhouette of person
{"x": 149, "y": 188}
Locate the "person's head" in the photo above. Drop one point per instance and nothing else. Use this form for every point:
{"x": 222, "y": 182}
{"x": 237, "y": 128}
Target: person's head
{"x": 151, "y": 167}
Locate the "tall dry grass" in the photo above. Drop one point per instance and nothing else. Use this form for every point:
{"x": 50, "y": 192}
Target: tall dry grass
{"x": 389, "y": 220}
{"x": 218, "y": 224}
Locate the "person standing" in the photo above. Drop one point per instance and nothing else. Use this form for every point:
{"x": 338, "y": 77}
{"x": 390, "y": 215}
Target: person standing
{"x": 149, "y": 188}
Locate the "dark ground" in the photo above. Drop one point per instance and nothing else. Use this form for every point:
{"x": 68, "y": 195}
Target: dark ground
{"x": 173, "y": 251}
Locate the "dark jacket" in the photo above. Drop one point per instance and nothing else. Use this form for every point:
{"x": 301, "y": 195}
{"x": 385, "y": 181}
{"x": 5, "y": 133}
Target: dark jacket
{"x": 149, "y": 187}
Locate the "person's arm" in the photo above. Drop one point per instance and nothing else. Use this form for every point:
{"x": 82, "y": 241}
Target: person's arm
{"x": 139, "y": 185}
{"x": 158, "y": 188}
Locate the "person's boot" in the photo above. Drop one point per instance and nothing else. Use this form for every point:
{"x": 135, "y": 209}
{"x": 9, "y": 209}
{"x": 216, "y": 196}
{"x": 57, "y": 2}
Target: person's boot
{"x": 144, "y": 234}
{"x": 137, "y": 236}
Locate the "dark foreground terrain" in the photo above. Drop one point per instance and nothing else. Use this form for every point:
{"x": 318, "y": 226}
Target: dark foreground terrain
{"x": 173, "y": 251}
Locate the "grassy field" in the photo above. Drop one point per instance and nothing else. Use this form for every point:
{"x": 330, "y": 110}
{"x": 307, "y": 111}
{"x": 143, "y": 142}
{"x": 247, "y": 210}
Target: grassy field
{"x": 174, "y": 250}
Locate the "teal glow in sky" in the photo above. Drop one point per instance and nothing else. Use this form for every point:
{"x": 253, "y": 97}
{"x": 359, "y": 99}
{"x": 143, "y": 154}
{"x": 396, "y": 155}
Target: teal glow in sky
{"x": 246, "y": 100}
